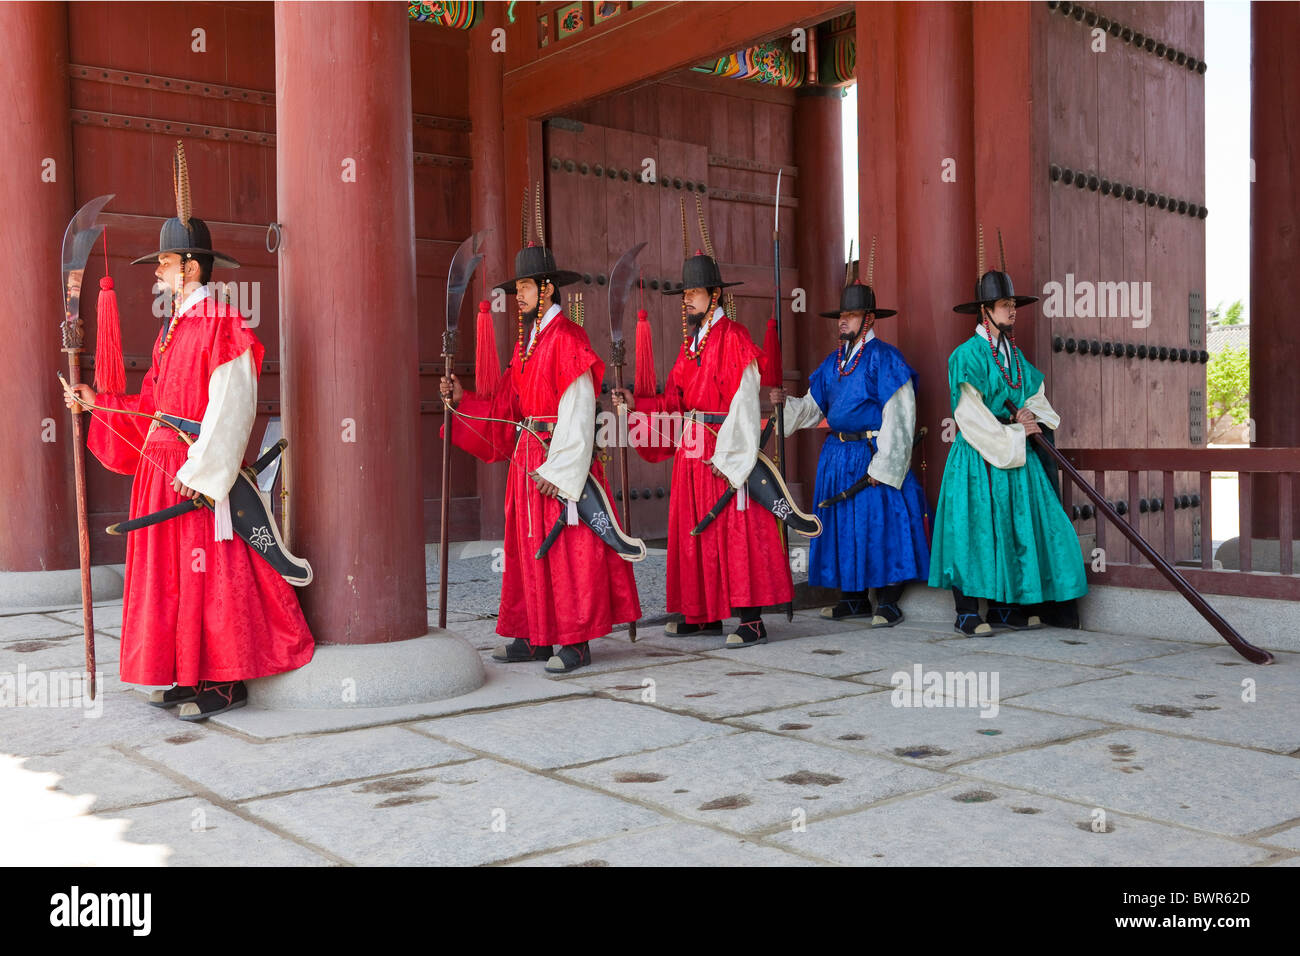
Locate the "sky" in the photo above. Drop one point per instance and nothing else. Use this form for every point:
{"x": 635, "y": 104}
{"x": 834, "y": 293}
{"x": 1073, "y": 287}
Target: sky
{"x": 1227, "y": 154}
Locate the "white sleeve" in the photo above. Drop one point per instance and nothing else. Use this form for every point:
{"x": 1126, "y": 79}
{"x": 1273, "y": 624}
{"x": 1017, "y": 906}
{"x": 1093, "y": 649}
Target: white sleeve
{"x": 894, "y": 443}
{"x": 568, "y": 459}
{"x": 801, "y": 413}
{"x": 1002, "y": 446}
{"x": 1042, "y": 409}
{"x": 737, "y": 447}
{"x": 216, "y": 456}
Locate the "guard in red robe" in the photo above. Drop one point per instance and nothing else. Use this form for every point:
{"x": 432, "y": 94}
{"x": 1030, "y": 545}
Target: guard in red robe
{"x": 200, "y": 609}
{"x": 579, "y": 588}
{"x": 738, "y": 563}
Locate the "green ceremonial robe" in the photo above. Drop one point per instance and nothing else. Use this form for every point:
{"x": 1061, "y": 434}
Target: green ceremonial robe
{"x": 1001, "y": 533}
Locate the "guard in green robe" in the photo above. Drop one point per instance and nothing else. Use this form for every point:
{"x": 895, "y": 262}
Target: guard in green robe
{"x": 1000, "y": 531}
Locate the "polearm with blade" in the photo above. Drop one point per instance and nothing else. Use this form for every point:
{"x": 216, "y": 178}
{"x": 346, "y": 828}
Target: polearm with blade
{"x": 620, "y": 284}
{"x": 1239, "y": 644}
{"x": 780, "y": 406}
{"x": 81, "y": 235}
{"x": 463, "y": 264}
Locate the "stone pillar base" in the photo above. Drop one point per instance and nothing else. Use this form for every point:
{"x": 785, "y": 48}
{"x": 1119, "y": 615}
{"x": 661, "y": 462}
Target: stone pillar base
{"x": 27, "y": 592}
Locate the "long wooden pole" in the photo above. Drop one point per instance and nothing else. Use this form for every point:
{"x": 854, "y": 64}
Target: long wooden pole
{"x": 83, "y": 523}
{"x": 618, "y": 357}
{"x": 1239, "y": 644}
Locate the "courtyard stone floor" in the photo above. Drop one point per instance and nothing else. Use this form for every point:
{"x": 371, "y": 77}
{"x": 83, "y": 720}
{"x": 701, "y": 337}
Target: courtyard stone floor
{"x": 1050, "y": 747}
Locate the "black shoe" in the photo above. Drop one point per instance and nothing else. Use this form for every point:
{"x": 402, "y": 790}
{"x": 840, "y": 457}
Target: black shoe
{"x": 970, "y": 625}
{"x": 747, "y": 634}
{"x": 682, "y": 629}
{"x": 1003, "y": 618}
{"x": 178, "y": 694}
{"x": 847, "y": 608}
{"x": 520, "y": 650}
{"x": 887, "y": 615}
{"x": 215, "y": 698}
{"x": 570, "y": 658}
{"x": 1061, "y": 614}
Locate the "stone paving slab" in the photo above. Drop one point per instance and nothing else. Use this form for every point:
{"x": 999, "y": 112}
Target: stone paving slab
{"x": 1287, "y": 838}
{"x": 718, "y": 688}
{"x": 682, "y": 844}
{"x": 237, "y": 769}
{"x": 1072, "y": 647}
{"x": 47, "y": 653}
{"x": 607, "y": 654}
{"x": 30, "y": 627}
{"x": 754, "y": 782}
{"x": 1015, "y": 675}
{"x": 109, "y": 778}
{"x": 1292, "y": 861}
{"x": 200, "y": 834}
{"x": 1223, "y": 665}
{"x": 447, "y": 817}
{"x": 927, "y": 736}
{"x": 504, "y": 685}
{"x": 779, "y": 632}
{"x": 124, "y": 718}
{"x": 1210, "y": 709}
{"x": 569, "y": 732}
{"x": 842, "y": 654}
{"x": 973, "y": 825}
{"x": 1208, "y": 786}
{"x": 104, "y": 615}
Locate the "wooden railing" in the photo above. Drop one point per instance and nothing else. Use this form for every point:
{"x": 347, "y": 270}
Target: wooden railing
{"x": 1125, "y": 567}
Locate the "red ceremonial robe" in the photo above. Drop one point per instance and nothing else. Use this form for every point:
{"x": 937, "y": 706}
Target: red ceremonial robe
{"x": 194, "y": 608}
{"x": 738, "y": 561}
{"x": 581, "y": 588}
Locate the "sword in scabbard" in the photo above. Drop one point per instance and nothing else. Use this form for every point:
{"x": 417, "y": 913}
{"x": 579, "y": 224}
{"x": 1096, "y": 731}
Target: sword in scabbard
{"x": 463, "y": 264}
{"x": 1239, "y": 644}
{"x": 79, "y": 238}
{"x": 621, "y": 279}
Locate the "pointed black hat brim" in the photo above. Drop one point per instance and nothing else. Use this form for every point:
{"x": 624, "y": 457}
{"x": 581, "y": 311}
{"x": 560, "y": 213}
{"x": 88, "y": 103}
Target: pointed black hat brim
{"x": 679, "y": 288}
{"x": 560, "y": 277}
{"x": 218, "y": 259}
{"x": 878, "y": 313}
{"x": 176, "y": 238}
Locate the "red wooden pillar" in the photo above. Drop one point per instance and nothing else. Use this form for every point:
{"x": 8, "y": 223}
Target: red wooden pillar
{"x": 39, "y": 534}
{"x": 1274, "y": 238}
{"x": 489, "y": 210}
{"x": 819, "y": 248}
{"x": 936, "y": 218}
{"x": 347, "y": 307}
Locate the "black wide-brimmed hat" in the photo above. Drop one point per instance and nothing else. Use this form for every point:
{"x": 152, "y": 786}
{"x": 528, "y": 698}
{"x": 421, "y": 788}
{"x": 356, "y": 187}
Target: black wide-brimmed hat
{"x": 535, "y": 261}
{"x": 857, "y": 296}
{"x": 185, "y": 235}
{"x": 699, "y": 271}
{"x": 994, "y": 284}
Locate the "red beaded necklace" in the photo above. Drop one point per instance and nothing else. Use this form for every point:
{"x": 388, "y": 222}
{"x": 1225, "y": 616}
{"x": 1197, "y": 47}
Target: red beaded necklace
{"x": 1020, "y": 378}
{"x": 694, "y": 352}
{"x": 845, "y": 372}
{"x": 537, "y": 328}
{"x": 176, "y": 317}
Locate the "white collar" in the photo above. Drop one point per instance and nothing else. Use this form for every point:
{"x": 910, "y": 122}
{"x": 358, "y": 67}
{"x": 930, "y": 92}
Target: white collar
{"x": 871, "y": 334}
{"x": 551, "y": 313}
{"x": 1003, "y": 343}
{"x": 193, "y": 298}
{"x": 705, "y": 326}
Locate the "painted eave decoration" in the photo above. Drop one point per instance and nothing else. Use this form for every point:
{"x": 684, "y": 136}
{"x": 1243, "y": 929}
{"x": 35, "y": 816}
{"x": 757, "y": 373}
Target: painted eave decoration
{"x": 447, "y": 13}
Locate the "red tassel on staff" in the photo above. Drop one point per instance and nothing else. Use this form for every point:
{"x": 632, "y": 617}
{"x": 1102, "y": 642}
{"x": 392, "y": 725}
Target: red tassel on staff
{"x": 487, "y": 366}
{"x": 770, "y": 363}
{"x": 110, "y": 371}
{"x": 645, "y": 356}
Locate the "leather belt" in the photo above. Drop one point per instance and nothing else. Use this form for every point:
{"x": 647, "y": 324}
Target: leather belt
{"x": 854, "y": 436}
{"x": 184, "y": 424}
{"x": 706, "y": 418}
{"x": 541, "y": 427}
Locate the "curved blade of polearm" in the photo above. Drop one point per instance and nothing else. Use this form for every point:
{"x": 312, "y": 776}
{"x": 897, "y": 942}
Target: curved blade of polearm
{"x": 78, "y": 239}
{"x": 463, "y": 263}
{"x": 621, "y": 279}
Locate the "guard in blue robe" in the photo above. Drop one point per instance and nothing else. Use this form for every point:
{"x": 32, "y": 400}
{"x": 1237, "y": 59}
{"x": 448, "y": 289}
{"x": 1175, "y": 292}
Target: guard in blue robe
{"x": 871, "y": 506}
